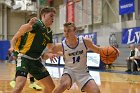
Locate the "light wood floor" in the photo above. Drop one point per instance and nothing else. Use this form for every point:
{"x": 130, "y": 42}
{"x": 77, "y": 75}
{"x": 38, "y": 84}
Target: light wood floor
{"x": 108, "y": 82}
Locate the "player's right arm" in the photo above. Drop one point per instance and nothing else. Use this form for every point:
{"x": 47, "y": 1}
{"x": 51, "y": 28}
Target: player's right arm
{"x": 22, "y": 30}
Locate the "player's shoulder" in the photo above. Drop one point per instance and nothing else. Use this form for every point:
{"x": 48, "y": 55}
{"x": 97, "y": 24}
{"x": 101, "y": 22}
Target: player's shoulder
{"x": 25, "y": 26}
{"x": 38, "y": 22}
{"x": 87, "y": 39}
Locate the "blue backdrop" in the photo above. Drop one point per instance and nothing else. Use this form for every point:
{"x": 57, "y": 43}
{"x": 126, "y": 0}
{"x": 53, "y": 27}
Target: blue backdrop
{"x": 131, "y": 35}
{"x": 4, "y": 46}
{"x": 126, "y": 6}
{"x": 92, "y": 36}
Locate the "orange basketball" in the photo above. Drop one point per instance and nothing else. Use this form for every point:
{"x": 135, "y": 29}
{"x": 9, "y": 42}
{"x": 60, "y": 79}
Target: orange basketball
{"x": 109, "y": 54}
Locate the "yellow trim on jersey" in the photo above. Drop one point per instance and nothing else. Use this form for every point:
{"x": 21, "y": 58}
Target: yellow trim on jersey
{"x": 17, "y": 44}
{"x": 28, "y": 43}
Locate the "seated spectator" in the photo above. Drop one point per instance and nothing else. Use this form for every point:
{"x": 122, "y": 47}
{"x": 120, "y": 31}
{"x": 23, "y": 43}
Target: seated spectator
{"x": 128, "y": 59}
{"x": 136, "y": 58}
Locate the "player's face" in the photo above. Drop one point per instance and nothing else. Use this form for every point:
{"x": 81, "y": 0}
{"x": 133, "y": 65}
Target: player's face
{"x": 139, "y": 47}
{"x": 49, "y": 18}
{"x": 132, "y": 47}
{"x": 69, "y": 32}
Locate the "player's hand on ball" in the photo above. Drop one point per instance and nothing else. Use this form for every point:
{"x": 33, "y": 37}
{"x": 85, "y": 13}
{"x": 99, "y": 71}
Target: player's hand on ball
{"x": 109, "y": 54}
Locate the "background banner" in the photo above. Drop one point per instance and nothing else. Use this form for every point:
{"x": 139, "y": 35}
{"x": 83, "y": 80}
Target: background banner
{"x": 70, "y": 12}
{"x": 92, "y": 36}
{"x": 131, "y": 35}
{"x": 126, "y": 6}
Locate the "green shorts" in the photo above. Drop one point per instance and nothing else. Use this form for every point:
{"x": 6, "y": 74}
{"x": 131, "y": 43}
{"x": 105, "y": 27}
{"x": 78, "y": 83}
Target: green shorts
{"x": 34, "y": 67}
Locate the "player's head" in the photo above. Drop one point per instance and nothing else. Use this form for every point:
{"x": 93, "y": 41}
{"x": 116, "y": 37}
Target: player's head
{"x": 47, "y": 15}
{"x": 28, "y": 20}
{"x": 132, "y": 46}
{"x": 69, "y": 29}
{"x": 139, "y": 47}
{"x": 32, "y": 20}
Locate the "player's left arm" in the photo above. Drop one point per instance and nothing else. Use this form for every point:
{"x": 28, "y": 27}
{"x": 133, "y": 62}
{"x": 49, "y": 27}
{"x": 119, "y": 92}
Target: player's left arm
{"x": 56, "y": 49}
{"x": 53, "y": 51}
{"x": 22, "y": 30}
{"x": 89, "y": 44}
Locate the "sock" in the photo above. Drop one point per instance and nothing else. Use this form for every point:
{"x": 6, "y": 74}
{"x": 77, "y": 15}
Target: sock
{"x": 32, "y": 80}
{"x": 14, "y": 78}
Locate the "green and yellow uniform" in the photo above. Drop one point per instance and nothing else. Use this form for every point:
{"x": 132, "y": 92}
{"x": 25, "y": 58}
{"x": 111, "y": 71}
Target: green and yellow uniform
{"x": 37, "y": 40}
{"x": 31, "y": 47}
{"x": 20, "y": 43}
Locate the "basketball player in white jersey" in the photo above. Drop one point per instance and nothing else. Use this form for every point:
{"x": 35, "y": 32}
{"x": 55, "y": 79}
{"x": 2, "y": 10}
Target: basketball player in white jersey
{"x": 75, "y": 57}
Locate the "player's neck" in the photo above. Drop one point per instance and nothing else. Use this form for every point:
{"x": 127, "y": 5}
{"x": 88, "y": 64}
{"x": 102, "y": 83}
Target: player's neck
{"x": 72, "y": 42}
{"x": 46, "y": 25}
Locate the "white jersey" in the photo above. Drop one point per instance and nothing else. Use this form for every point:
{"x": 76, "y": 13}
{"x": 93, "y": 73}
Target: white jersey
{"x": 137, "y": 53}
{"x": 75, "y": 58}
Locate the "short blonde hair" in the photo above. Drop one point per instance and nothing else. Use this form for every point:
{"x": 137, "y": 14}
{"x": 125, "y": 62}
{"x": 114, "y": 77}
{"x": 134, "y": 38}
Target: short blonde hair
{"x": 70, "y": 24}
{"x": 47, "y": 10}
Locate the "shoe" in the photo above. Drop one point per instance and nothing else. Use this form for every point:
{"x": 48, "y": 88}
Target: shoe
{"x": 128, "y": 71}
{"x": 35, "y": 86}
{"x": 12, "y": 83}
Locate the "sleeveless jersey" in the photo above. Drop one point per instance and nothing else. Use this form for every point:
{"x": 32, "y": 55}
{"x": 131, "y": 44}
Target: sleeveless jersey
{"x": 20, "y": 42}
{"x": 37, "y": 40}
{"x": 75, "y": 58}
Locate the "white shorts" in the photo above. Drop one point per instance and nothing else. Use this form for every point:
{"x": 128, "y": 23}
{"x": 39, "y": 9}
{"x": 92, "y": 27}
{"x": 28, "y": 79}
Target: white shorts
{"x": 81, "y": 78}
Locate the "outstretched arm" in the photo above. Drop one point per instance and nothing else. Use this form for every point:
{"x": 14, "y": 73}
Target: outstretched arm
{"x": 53, "y": 51}
{"x": 89, "y": 44}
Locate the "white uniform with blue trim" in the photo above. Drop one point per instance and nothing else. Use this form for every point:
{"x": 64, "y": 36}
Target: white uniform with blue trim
{"x": 75, "y": 60}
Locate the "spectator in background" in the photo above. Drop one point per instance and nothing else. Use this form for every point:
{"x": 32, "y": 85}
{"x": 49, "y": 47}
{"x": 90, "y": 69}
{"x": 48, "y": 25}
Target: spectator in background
{"x": 128, "y": 59}
{"x": 136, "y": 58}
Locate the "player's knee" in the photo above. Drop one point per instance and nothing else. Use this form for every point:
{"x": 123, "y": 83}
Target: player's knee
{"x": 65, "y": 85}
{"x": 62, "y": 87}
{"x": 94, "y": 91}
{"x": 51, "y": 88}
{"x": 97, "y": 91}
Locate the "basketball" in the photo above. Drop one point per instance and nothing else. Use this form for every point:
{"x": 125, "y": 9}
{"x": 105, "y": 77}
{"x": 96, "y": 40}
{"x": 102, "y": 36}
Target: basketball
{"x": 109, "y": 54}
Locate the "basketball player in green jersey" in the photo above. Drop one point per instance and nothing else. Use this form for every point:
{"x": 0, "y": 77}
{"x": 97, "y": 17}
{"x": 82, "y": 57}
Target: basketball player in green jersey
{"x": 28, "y": 61}
{"x": 19, "y": 45}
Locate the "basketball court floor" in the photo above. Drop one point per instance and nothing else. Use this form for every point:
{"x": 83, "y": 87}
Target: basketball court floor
{"x": 109, "y": 81}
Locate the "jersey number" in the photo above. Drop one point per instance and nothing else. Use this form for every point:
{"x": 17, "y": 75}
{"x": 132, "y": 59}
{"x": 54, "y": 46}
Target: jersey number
{"x": 44, "y": 42}
{"x": 76, "y": 59}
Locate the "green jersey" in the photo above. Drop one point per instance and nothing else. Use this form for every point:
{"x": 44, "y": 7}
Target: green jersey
{"x": 36, "y": 40}
{"x": 20, "y": 43}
